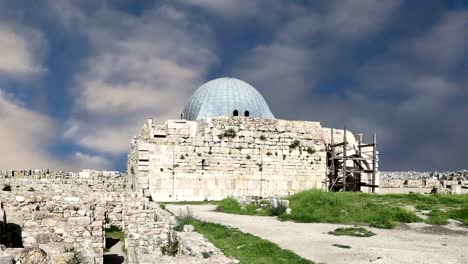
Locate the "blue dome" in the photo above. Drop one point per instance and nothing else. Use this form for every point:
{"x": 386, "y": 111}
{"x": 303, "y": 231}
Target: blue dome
{"x": 226, "y": 97}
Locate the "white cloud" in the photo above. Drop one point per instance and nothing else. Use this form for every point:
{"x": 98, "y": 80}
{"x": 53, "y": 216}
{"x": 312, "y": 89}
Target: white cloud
{"x": 83, "y": 160}
{"x": 140, "y": 66}
{"x": 23, "y": 136}
{"x": 21, "y": 50}
{"x": 405, "y": 94}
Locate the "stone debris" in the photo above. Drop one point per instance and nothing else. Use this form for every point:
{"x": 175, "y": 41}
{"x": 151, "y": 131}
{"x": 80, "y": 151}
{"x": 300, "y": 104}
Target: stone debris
{"x": 32, "y": 256}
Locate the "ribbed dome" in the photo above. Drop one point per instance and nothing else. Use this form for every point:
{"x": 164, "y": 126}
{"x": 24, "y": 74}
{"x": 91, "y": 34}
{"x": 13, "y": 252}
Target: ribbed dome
{"x": 223, "y": 97}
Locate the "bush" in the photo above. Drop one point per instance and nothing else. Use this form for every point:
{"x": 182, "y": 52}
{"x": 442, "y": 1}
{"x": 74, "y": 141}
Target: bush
{"x": 7, "y": 188}
{"x": 278, "y": 208}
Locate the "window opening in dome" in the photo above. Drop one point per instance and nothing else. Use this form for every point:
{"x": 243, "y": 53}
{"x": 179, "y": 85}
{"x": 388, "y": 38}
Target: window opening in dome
{"x": 246, "y": 113}
{"x": 235, "y": 113}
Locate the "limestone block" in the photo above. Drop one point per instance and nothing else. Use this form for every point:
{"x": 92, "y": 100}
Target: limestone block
{"x": 62, "y": 258}
{"x": 189, "y": 228}
{"x": 414, "y": 183}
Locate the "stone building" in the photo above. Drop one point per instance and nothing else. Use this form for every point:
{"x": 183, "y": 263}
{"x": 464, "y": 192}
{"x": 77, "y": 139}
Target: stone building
{"x": 228, "y": 143}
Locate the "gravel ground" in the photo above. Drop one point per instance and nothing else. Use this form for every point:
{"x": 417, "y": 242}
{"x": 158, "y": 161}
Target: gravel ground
{"x": 410, "y": 243}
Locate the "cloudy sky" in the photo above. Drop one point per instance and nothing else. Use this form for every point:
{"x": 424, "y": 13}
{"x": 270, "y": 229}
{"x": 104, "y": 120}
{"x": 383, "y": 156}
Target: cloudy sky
{"x": 79, "y": 78}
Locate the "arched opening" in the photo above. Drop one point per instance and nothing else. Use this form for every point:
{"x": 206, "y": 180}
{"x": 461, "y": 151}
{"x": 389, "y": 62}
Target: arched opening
{"x": 246, "y": 113}
{"x": 235, "y": 113}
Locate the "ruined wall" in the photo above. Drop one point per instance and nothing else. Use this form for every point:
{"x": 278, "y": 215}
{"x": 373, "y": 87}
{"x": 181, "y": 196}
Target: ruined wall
{"x": 61, "y": 213}
{"x": 228, "y": 156}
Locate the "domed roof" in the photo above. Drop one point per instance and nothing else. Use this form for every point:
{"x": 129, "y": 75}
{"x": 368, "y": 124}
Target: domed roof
{"x": 226, "y": 97}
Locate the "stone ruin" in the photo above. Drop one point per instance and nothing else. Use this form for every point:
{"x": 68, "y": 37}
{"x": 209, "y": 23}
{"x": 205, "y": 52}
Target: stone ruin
{"x": 214, "y": 158}
{"x": 48, "y": 217}
{"x": 446, "y": 182}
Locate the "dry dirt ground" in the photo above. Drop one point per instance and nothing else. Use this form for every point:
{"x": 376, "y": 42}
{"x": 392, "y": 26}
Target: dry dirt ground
{"x": 410, "y": 243}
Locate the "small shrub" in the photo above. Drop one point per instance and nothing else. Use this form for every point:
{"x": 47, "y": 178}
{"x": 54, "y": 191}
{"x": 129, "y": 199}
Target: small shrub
{"x": 210, "y": 153}
{"x": 184, "y": 218}
{"x": 163, "y": 206}
{"x": 278, "y": 209}
{"x": 30, "y": 189}
{"x": 248, "y": 157}
{"x": 161, "y": 169}
{"x": 269, "y": 153}
{"x": 263, "y": 138}
{"x": 284, "y": 157}
{"x": 296, "y": 143}
{"x": 172, "y": 246}
{"x": 182, "y": 157}
{"x": 7, "y": 188}
{"x": 199, "y": 154}
{"x": 230, "y": 133}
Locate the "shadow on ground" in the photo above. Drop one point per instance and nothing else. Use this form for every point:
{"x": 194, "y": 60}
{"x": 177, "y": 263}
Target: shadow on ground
{"x": 113, "y": 259}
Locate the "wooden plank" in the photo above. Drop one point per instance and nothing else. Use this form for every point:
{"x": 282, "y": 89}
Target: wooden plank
{"x": 337, "y": 144}
{"x": 374, "y": 161}
{"x": 344, "y": 159}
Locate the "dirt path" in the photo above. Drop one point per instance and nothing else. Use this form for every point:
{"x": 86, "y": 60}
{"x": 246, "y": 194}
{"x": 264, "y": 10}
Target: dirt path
{"x": 414, "y": 243}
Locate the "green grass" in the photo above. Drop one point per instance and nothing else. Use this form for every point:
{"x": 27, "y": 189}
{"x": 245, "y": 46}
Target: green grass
{"x": 381, "y": 211}
{"x": 342, "y": 246}
{"x": 117, "y": 233}
{"x": 245, "y": 247}
{"x": 352, "y": 231}
{"x": 232, "y": 206}
{"x": 346, "y": 208}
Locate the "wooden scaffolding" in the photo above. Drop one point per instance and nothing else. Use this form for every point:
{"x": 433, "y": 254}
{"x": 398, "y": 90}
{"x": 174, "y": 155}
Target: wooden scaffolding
{"x": 347, "y": 164}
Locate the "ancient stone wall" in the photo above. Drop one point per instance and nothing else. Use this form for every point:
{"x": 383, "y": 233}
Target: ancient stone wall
{"x": 413, "y": 179}
{"x": 215, "y": 158}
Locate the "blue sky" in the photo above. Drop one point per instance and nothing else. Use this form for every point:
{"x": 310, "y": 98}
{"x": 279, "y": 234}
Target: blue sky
{"x": 79, "y": 78}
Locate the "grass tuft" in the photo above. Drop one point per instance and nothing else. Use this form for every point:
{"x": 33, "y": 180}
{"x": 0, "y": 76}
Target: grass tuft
{"x": 342, "y": 246}
{"x": 245, "y": 247}
{"x": 352, "y": 231}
